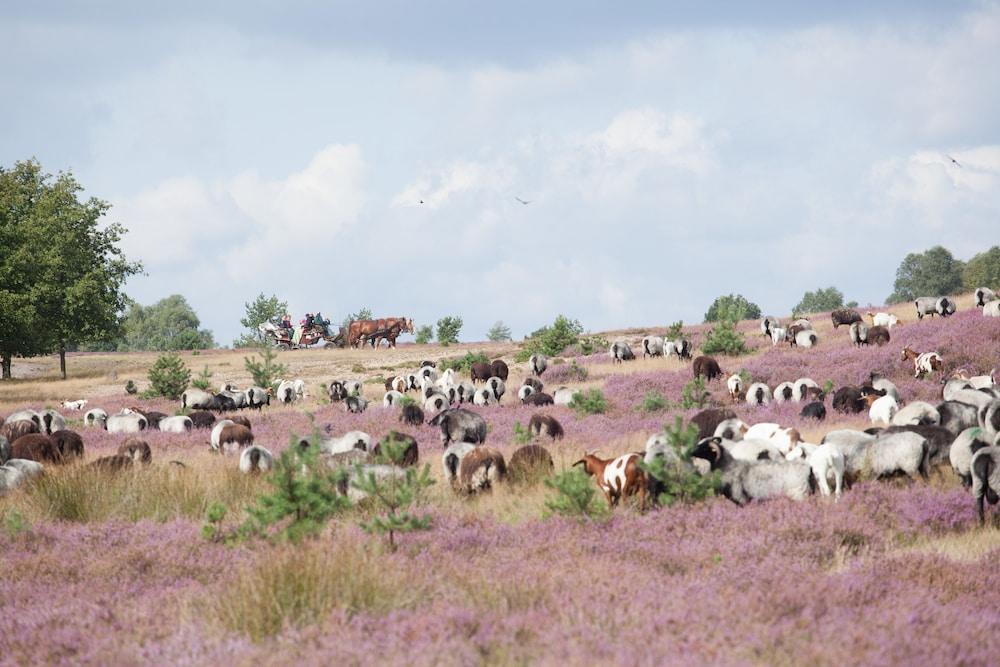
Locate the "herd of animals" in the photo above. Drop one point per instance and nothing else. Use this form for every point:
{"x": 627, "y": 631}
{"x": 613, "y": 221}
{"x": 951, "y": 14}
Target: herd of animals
{"x": 754, "y": 461}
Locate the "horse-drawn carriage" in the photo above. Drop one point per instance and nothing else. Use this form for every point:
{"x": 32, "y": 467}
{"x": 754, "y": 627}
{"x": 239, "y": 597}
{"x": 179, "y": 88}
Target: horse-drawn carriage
{"x": 316, "y": 336}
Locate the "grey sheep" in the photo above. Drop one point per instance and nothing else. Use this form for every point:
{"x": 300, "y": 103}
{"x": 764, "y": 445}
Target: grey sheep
{"x": 917, "y": 412}
{"x": 459, "y": 425}
{"x": 907, "y": 453}
{"x": 743, "y": 481}
{"x": 962, "y": 450}
{"x": 451, "y": 460}
{"x": 538, "y": 363}
{"x": 985, "y": 478}
{"x": 957, "y": 416}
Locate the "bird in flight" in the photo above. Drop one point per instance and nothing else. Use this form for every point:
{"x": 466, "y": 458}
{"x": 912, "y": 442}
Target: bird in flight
{"x": 421, "y": 201}
{"x": 522, "y": 201}
{"x": 953, "y": 160}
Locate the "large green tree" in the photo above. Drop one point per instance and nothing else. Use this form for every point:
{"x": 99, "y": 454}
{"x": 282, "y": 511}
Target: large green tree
{"x": 167, "y": 325}
{"x": 820, "y": 300}
{"x": 258, "y": 311}
{"x": 732, "y": 307}
{"x": 934, "y": 272}
{"x": 983, "y": 270}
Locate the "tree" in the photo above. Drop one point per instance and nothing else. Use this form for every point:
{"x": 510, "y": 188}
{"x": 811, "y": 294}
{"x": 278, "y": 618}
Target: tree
{"x": 932, "y": 273}
{"x": 425, "y": 334}
{"x": 983, "y": 270}
{"x": 267, "y": 371}
{"x": 732, "y": 307}
{"x": 724, "y": 338}
{"x": 499, "y": 332}
{"x": 363, "y": 314}
{"x": 447, "y": 329}
{"x": 261, "y": 309}
{"x": 820, "y": 300}
{"x": 169, "y": 376}
{"x": 553, "y": 339}
{"x": 169, "y": 324}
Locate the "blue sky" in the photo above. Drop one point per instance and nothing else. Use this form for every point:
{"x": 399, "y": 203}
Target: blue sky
{"x": 671, "y": 151}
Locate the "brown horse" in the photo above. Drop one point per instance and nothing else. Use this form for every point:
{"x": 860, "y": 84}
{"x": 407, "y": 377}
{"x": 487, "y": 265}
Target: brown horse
{"x": 361, "y": 331}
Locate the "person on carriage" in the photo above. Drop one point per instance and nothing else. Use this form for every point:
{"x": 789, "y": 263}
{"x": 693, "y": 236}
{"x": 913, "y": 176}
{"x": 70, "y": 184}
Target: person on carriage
{"x": 286, "y": 321}
{"x": 309, "y": 321}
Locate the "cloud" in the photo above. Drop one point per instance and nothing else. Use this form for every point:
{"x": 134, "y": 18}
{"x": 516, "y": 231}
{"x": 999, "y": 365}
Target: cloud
{"x": 436, "y": 188}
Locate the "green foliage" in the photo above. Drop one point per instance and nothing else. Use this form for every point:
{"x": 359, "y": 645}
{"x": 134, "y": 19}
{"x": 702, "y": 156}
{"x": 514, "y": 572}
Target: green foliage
{"x": 553, "y": 339}
{"x": 358, "y": 368}
{"x": 932, "y": 273}
{"x": 851, "y": 304}
{"x": 695, "y": 394}
{"x": 522, "y": 436}
{"x": 406, "y": 400}
{"x": 463, "y": 364}
{"x": 591, "y": 402}
{"x": 575, "y": 496}
{"x": 424, "y": 335}
{"x": 267, "y": 370}
{"x": 14, "y": 523}
{"x": 675, "y": 331}
{"x": 395, "y": 494}
{"x": 448, "y": 329}
{"x": 212, "y": 530}
{"x": 593, "y": 343}
{"x": 304, "y": 497}
{"x": 983, "y": 270}
{"x": 828, "y": 387}
{"x": 819, "y": 301}
{"x": 204, "y": 380}
{"x": 169, "y": 376}
{"x": 498, "y": 332}
{"x": 262, "y": 309}
{"x": 724, "y": 338}
{"x": 168, "y": 325}
{"x": 654, "y": 401}
{"x": 733, "y": 307}
{"x": 679, "y": 481}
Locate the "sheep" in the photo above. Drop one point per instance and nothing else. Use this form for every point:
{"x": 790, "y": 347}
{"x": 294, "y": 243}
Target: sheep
{"x": 845, "y": 316}
{"x": 460, "y": 425}
{"x": 735, "y": 387}
{"x": 396, "y": 383}
{"x": 4, "y": 450}
{"x": 480, "y": 371}
{"x": 824, "y": 461}
{"x": 239, "y": 419}
{"x": 412, "y": 381}
{"x": 801, "y": 389}
{"x": 68, "y": 443}
{"x": 730, "y": 429}
{"x": 806, "y": 338}
{"x": 538, "y": 363}
{"x": 111, "y": 464}
{"x": 483, "y": 397}
{"x": 437, "y": 402}
{"x": 709, "y": 419}
{"x": 885, "y": 387}
{"x": 859, "y": 334}
{"x": 815, "y": 410}
{"x": 767, "y": 326}
{"x": 923, "y": 362}
{"x": 74, "y": 406}
{"x": 126, "y": 423}
{"x": 542, "y": 424}
{"x": 197, "y": 398}
{"x": 14, "y": 429}
{"x": 963, "y": 448}
{"x": 848, "y": 400}
{"x": 498, "y": 368}
{"x": 481, "y": 469}
{"x": 178, "y": 424}
{"x": 981, "y": 381}
{"x": 95, "y": 417}
{"x": 349, "y": 441}
{"x": 956, "y": 416}
{"x": 984, "y": 295}
{"x": 617, "y": 477}
{"x": 354, "y": 387}
{"x": 985, "y": 470}
{"x": 992, "y": 308}
{"x": 743, "y": 481}
{"x": 153, "y": 417}
{"x": 652, "y": 346}
{"x": 356, "y": 404}
{"x": 926, "y": 305}
{"x": 213, "y": 439}
{"x": 337, "y": 391}
{"x": 239, "y": 398}
{"x": 751, "y": 449}
{"x": 534, "y": 383}
{"x": 286, "y": 392}
{"x": 137, "y": 450}
{"x": 451, "y": 460}
{"x": 202, "y": 419}
{"x": 784, "y": 392}
{"x": 680, "y": 347}
{"x": 16, "y": 472}
{"x": 497, "y": 387}
{"x": 233, "y": 437}
{"x": 52, "y": 421}
{"x": 411, "y": 453}
{"x": 706, "y": 367}
{"x": 563, "y": 395}
{"x": 758, "y": 394}
{"x": 886, "y": 320}
{"x": 878, "y": 336}
{"x": 938, "y": 439}
{"x": 529, "y": 463}
{"x": 895, "y": 453}
{"x": 620, "y": 352}
{"x": 658, "y": 447}
{"x": 464, "y": 392}
{"x": 411, "y": 414}
{"x": 881, "y": 408}
{"x": 35, "y": 447}
{"x": 989, "y": 416}
{"x": 428, "y": 373}
{"x": 391, "y": 398}
{"x": 915, "y": 413}
{"x": 976, "y": 397}
{"x": 944, "y": 306}
{"x": 26, "y": 415}
{"x": 854, "y": 446}
{"x": 299, "y": 386}
{"x": 778, "y": 335}
{"x": 256, "y": 459}
{"x": 538, "y": 398}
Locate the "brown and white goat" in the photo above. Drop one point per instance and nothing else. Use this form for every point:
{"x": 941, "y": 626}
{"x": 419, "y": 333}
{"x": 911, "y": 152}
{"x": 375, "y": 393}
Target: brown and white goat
{"x": 617, "y": 477}
{"x": 923, "y": 362}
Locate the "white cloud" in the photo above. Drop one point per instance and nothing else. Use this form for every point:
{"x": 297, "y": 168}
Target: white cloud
{"x": 460, "y": 177}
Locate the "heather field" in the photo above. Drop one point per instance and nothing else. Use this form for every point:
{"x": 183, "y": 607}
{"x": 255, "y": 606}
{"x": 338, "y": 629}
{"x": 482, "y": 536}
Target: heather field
{"x": 113, "y": 569}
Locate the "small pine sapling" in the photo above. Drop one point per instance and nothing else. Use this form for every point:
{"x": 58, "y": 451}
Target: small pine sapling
{"x": 574, "y": 495}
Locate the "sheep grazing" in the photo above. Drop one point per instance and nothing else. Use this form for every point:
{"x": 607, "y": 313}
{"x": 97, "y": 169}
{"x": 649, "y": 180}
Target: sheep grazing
{"x": 734, "y": 384}
{"x": 984, "y": 295}
{"x": 563, "y": 396}
{"x": 451, "y": 460}
{"x": 525, "y": 391}
{"x": 767, "y": 326}
{"x": 337, "y": 391}
{"x": 538, "y": 363}
{"x": 411, "y": 414}
{"x": 652, "y": 346}
{"x": 196, "y": 398}
{"x": 179, "y": 424}
{"x": 743, "y": 481}
{"x": 878, "y": 336}
{"x": 881, "y": 408}
{"x": 127, "y": 423}
{"x": 428, "y": 373}
{"x": 887, "y": 320}
{"x": 848, "y": 400}
{"x": 391, "y": 398}
{"x": 396, "y": 383}
{"x": 534, "y": 383}
{"x": 845, "y": 316}
{"x": 74, "y": 405}
{"x": 944, "y": 306}
{"x": 14, "y": 429}
{"x": 538, "y": 398}
{"x": 620, "y": 352}
{"x": 904, "y": 453}
{"x": 805, "y": 388}
{"x": 411, "y": 454}
{"x": 36, "y": 447}
{"x": 758, "y": 394}
{"x": 925, "y": 305}
{"x": 824, "y": 461}
{"x": 985, "y": 470}
{"x": 706, "y": 367}
{"x": 815, "y": 410}
{"x": 68, "y": 443}
{"x": 95, "y": 417}
{"x": 784, "y": 392}
{"x": 497, "y": 387}
{"x": 729, "y": 429}
{"x": 617, "y": 477}
{"x": 885, "y": 387}
{"x": 483, "y": 397}
{"x": 202, "y": 419}
{"x": 464, "y": 391}
{"x": 939, "y": 440}
{"x": 52, "y": 421}
{"x": 286, "y": 393}
{"x": 498, "y": 368}
{"x": 923, "y": 362}
{"x": 137, "y": 450}
{"x": 529, "y": 463}
{"x": 859, "y": 334}
{"x": 16, "y": 472}
{"x": 709, "y": 419}
{"x": 956, "y": 416}
{"x": 352, "y": 440}
{"x": 963, "y": 448}
{"x": 233, "y": 437}
{"x": 239, "y": 419}
{"x": 917, "y": 413}
{"x": 992, "y": 309}
{"x": 256, "y": 459}
{"x": 112, "y": 464}
{"x": 541, "y": 424}
{"x": 480, "y": 372}
{"x": 356, "y": 404}
{"x": 682, "y": 348}
{"x": 257, "y": 398}
{"x": 460, "y": 425}
{"x": 437, "y": 402}
{"x": 481, "y": 469}
{"x": 805, "y": 338}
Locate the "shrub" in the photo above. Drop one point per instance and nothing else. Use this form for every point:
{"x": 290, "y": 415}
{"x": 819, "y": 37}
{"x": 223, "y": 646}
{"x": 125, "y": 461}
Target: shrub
{"x": 732, "y": 307}
{"x": 203, "y": 381}
{"x": 499, "y": 332}
{"x": 695, "y": 394}
{"x": 594, "y": 343}
{"x": 654, "y": 401}
{"x": 266, "y": 371}
{"x": 675, "y": 330}
{"x": 724, "y": 339}
{"x": 820, "y": 300}
{"x": 575, "y": 496}
{"x": 680, "y": 482}
{"x": 463, "y": 364}
{"x": 424, "y": 335}
{"x": 591, "y": 402}
{"x": 552, "y": 340}
{"x": 448, "y": 329}
{"x": 169, "y": 376}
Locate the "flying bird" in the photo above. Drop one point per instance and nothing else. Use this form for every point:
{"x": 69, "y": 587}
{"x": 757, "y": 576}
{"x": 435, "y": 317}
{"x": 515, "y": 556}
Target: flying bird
{"x": 522, "y": 201}
{"x": 421, "y": 201}
{"x": 953, "y": 160}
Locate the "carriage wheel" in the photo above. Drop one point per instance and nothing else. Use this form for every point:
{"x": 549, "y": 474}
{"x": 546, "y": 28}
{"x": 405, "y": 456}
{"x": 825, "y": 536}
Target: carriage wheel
{"x": 284, "y": 346}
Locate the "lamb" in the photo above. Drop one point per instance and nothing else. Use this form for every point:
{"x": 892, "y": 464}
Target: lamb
{"x": 621, "y": 352}
{"x": 743, "y": 481}
{"x": 758, "y": 394}
{"x": 391, "y": 398}
{"x": 529, "y": 463}
{"x": 126, "y": 423}
{"x": 180, "y": 424}
{"x": 538, "y": 363}
{"x": 74, "y": 405}
{"x": 859, "y": 334}
{"x": 356, "y": 404}
{"x": 137, "y": 450}
{"x": 460, "y": 425}
{"x": 68, "y": 443}
{"x": 706, "y": 367}
{"x": 538, "y": 398}
{"x": 984, "y": 295}
{"x": 881, "y": 408}
{"x": 815, "y": 410}
{"x": 411, "y": 453}
{"x": 256, "y": 459}
{"x": 95, "y": 417}
{"x": 824, "y": 461}
{"x": 451, "y": 460}
{"x": 196, "y": 398}
{"x": 35, "y": 447}
{"x": 845, "y": 316}
{"x": 411, "y": 414}
{"x": 784, "y": 392}
{"x": 541, "y": 424}
{"x": 735, "y": 387}
{"x": 498, "y": 368}
{"x": 563, "y": 396}
{"x": 926, "y": 305}
{"x": 525, "y": 391}
{"x": 652, "y": 346}
{"x": 497, "y": 387}
{"x": 905, "y": 453}
{"x": 617, "y": 477}
{"x": 916, "y": 413}
{"x": 480, "y": 372}
{"x": 985, "y": 469}
{"x": 886, "y": 320}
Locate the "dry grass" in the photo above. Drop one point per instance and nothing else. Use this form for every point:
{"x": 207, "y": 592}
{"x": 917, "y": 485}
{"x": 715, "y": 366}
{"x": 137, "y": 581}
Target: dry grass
{"x": 967, "y": 547}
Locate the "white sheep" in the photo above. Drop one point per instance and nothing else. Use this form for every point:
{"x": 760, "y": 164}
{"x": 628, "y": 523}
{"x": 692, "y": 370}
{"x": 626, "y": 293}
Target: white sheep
{"x": 286, "y": 393}
{"x": 451, "y": 459}
{"x": 391, "y": 398}
{"x": 778, "y": 335}
{"x": 483, "y": 397}
{"x": 256, "y": 459}
{"x": 436, "y": 402}
{"x": 652, "y": 346}
{"x": 824, "y": 461}
{"x": 984, "y": 295}
{"x": 806, "y": 338}
{"x": 801, "y": 387}
{"x": 992, "y": 308}
{"x": 902, "y": 452}
{"x": 743, "y": 481}
{"x": 563, "y": 396}
{"x": 129, "y": 422}
{"x": 95, "y": 417}
{"x": 735, "y": 386}
{"x": 883, "y": 409}
{"x": 217, "y": 433}
{"x": 784, "y": 392}
{"x": 178, "y": 424}
{"x": 916, "y": 413}
{"x": 497, "y": 387}
{"x": 758, "y": 394}
{"x": 731, "y": 429}
{"x": 345, "y": 443}
{"x": 74, "y": 405}
{"x": 524, "y": 391}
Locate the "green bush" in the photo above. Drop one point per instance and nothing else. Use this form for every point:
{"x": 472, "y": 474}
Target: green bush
{"x": 680, "y": 482}
{"x": 675, "y": 330}
{"x": 724, "y": 339}
{"x": 575, "y": 496}
{"x": 594, "y": 343}
{"x": 448, "y": 329}
{"x": 463, "y": 364}
{"x": 732, "y": 307}
{"x": 654, "y": 401}
{"x": 552, "y": 340}
{"x": 169, "y": 376}
{"x": 424, "y": 335}
{"x": 695, "y": 394}
{"x": 204, "y": 380}
{"x": 591, "y": 402}
{"x": 266, "y": 371}
{"x": 522, "y": 436}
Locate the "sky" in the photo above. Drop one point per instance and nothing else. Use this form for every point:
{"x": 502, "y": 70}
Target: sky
{"x": 670, "y": 151}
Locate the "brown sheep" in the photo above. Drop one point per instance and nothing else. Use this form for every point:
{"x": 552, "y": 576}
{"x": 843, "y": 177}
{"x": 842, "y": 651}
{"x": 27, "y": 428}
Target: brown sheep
{"x": 707, "y": 420}
{"x": 69, "y": 444}
{"x": 480, "y": 372}
{"x": 235, "y": 434}
{"x": 481, "y": 469}
{"x": 35, "y": 447}
{"x": 410, "y": 456}
{"x": 15, "y": 429}
{"x": 137, "y": 450}
{"x": 878, "y": 335}
{"x": 202, "y": 419}
{"x": 534, "y": 383}
{"x": 546, "y": 424}
{"x": 115, "y": 463}
{"x": 538, "y": 398}
{"x": 411, "y": 414}
{"x": 845, "y": 316}
{"x": 707, "y": 367}
{"x": 529, "y": 463}
{"x": 499, "y": 369}
{"x": 241, "y": 420}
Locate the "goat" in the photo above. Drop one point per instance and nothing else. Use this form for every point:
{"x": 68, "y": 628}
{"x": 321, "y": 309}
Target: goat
{"x": 923, "y": 362}
{"x": 887, "y": 320}
{"x": 617, "y": 477}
